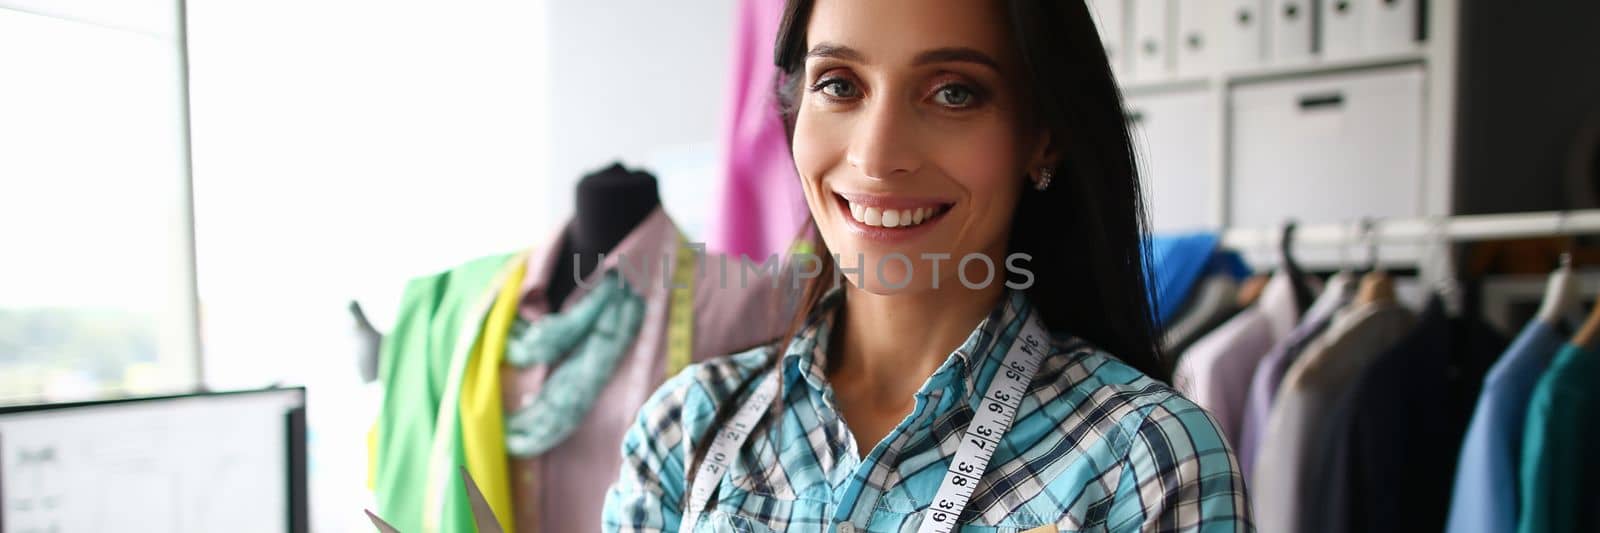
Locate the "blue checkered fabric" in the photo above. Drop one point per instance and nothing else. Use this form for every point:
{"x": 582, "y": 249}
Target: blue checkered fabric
{"x": 1096, "y": 446}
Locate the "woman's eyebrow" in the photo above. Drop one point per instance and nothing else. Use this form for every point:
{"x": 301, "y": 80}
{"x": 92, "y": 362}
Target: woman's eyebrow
{"x": 938, "y": 55}
{"x": 958, "y": 55}
{"x": 835, "y": 51}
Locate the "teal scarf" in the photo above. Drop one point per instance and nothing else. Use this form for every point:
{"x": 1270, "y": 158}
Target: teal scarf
{"x": 583, "y": 345}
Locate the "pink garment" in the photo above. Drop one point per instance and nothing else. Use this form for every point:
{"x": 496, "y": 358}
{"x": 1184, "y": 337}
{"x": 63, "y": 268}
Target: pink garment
{"x": 564, "y": 489}
{"x": 1216, "y": 370}
{"x": 763, "y": 206}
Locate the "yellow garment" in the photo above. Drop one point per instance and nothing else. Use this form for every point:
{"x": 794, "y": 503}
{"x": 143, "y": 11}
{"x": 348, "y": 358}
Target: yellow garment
{"x": 483, "y": 431}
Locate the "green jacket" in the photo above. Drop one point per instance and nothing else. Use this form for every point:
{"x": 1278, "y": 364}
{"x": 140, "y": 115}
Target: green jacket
{"x": 421, "y": 366}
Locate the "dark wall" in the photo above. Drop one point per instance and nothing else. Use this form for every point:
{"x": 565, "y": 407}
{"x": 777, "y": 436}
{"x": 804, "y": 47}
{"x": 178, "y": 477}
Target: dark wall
{"x": 1529, "y": 81}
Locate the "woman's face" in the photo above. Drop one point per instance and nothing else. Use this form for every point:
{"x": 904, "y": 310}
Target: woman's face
{"x": 908, "y": 138}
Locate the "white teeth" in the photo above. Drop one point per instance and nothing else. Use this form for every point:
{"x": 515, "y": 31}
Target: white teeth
{"x": 891, "y": 218}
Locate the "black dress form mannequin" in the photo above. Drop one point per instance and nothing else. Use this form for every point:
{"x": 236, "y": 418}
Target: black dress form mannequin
{"x": 611, "y": 202}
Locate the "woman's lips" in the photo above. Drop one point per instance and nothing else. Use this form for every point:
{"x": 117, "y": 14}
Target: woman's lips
{"x": 892, "y": 212}
{"x": 890, "y": 219}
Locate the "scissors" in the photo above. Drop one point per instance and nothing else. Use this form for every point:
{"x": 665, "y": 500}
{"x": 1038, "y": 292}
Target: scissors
{"x": 482, "y": 516}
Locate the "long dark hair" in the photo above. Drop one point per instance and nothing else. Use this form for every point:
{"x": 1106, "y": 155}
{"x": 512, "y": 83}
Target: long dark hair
{"x": 1086, "y": 233}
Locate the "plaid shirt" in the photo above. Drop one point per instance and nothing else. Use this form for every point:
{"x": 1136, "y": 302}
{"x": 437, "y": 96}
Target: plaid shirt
{"x": 1096, "y": 446}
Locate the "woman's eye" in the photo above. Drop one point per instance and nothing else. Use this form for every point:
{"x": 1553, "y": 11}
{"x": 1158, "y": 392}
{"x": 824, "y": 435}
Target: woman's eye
{"x": 836, "y": 88}
{"x": 955, "y": 96}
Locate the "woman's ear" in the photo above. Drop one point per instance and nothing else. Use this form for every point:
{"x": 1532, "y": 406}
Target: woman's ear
{"x": 1043, "y": 155}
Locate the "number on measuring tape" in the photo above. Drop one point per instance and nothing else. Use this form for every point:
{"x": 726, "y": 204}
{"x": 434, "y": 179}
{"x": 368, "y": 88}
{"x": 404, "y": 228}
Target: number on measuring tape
{"x": 1031, "y": 344}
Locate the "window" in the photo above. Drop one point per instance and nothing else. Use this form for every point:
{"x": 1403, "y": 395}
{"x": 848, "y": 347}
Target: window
{"x": 95, "y": 285}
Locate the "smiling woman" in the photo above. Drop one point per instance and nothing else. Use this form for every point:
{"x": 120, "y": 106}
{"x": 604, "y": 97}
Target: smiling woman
{"x": 905, "y": 400}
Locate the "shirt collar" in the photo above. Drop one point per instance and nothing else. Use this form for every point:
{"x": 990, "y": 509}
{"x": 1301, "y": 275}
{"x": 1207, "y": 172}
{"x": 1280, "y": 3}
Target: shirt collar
{"x": 806, "y": 357}
{"x": 992, "y": 337}
{"x": 807, "y": 354}
{"x": 653, "y": 240}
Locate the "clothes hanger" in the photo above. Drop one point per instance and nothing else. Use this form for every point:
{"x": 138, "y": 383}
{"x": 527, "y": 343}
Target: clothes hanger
{"x": 1590, "y": 332}
{"x": 1350, "y": 233}
{"x": 1250, "y": 289}
{"x": 1344, "y": 278}
{"x": 1445, "y": 284}
{"x": 1561, "y": 296}
{"x": 1350, "y": 266}
{"x": 1297, "y": 279}
{"x": 1376, "y": 286}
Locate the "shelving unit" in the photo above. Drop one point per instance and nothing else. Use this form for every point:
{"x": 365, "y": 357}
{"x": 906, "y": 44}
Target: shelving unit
{"x": 1213, "y": 103}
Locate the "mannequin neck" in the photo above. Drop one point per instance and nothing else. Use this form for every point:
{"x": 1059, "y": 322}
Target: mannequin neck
{"x": 610, "y": 204}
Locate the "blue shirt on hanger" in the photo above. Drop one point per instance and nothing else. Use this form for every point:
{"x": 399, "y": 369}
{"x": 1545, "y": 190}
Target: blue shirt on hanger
{"x": 1485, "y": 498}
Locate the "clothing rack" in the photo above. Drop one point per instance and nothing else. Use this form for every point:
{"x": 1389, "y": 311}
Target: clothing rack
{"x": 1459, "y": 228}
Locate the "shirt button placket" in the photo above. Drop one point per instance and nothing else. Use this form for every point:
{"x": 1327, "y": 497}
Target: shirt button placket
{"x": 845, "y": 527}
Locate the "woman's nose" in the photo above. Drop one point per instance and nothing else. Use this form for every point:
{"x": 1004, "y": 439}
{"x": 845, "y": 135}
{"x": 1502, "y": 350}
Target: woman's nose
{"x": 883, "y": 145}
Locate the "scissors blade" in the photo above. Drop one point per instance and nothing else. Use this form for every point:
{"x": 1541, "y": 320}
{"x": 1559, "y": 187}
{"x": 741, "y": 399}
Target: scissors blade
{"x": 482, "y": 515}
{"x": 382, "y": 526}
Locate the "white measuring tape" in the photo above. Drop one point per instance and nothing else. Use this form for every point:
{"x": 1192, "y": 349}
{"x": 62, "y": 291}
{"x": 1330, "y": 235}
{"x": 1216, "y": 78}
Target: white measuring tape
{"x": 994, "y": 416}
{"x": 727, "y": 443}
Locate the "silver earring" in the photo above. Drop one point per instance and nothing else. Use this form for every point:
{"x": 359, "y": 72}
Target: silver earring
{"x": 1043, "y": 181}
